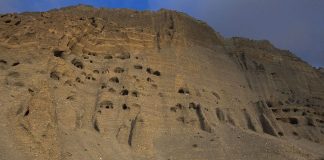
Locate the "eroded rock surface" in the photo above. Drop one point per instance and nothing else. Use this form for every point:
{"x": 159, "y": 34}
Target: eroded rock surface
{"x": 84, "y": 83}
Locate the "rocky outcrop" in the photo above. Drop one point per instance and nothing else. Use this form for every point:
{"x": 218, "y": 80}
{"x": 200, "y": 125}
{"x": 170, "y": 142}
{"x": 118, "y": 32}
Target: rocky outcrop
{"x": 87, "y": 83}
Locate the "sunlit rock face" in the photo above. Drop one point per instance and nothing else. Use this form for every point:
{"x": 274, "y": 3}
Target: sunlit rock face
{"x": 83, "y": 83}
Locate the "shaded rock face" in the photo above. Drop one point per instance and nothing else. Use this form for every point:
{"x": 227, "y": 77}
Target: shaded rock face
{"x": 85, "y": 83}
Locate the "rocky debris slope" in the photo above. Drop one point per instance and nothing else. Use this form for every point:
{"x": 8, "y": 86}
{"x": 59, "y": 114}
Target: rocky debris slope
{"x": 86, "y": 83}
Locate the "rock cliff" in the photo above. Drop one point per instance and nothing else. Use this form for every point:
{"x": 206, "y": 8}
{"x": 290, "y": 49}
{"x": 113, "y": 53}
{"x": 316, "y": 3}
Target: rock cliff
{"x": 83, "y": 83}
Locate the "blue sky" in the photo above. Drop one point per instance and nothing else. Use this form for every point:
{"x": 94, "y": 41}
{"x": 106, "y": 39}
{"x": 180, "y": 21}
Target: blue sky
{"x": 296, "y": 25}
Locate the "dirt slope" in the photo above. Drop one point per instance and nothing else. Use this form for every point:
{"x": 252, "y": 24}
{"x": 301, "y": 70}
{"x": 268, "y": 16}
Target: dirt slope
{"x": 83, "y": 83}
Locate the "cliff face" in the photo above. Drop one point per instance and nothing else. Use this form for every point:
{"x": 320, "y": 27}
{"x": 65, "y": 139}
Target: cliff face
{"x": 85, "y": 83}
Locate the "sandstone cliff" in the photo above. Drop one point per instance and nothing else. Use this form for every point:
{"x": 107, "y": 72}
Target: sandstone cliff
{"x": 86, "y": 83}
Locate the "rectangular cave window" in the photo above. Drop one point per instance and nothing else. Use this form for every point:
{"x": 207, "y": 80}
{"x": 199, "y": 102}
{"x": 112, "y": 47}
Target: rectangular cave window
{"x": 293, "y": 121}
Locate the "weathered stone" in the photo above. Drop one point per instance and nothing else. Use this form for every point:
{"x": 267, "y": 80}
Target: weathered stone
{"x": 84, "y": 83}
